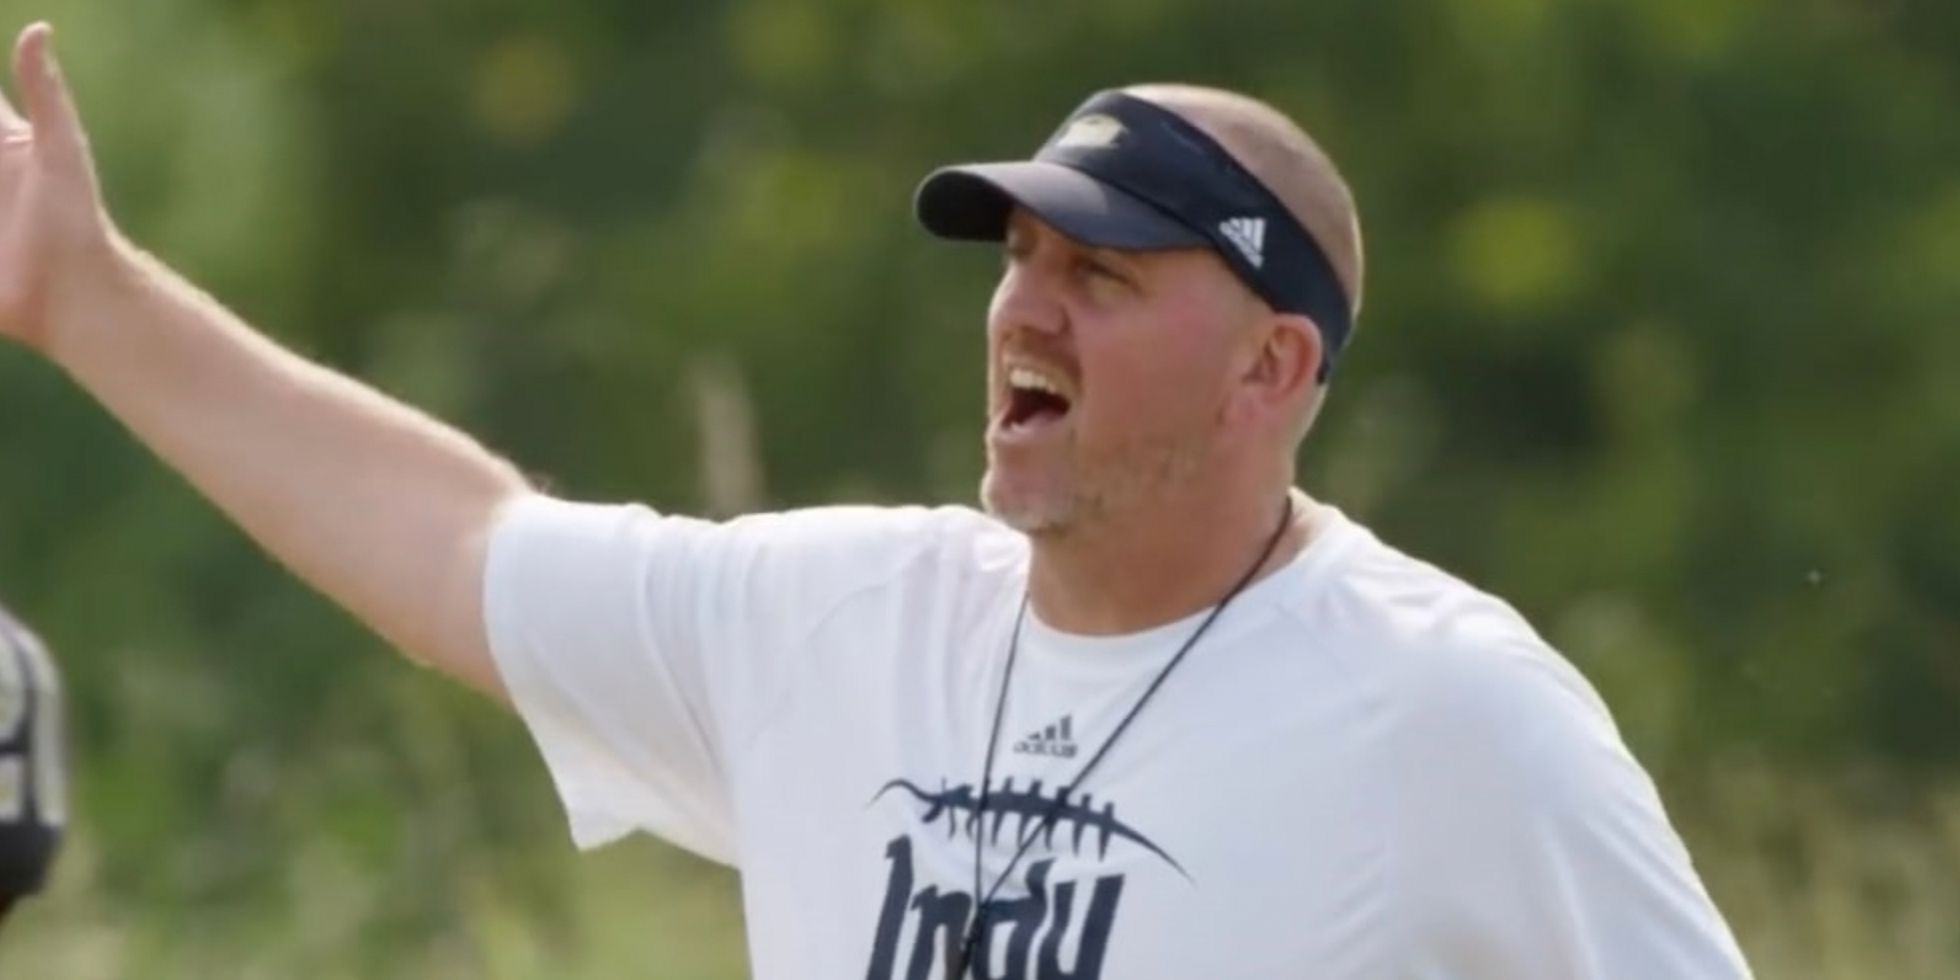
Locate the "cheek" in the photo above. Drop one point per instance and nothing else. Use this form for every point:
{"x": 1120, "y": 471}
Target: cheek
{"x": 1152, "y": 380}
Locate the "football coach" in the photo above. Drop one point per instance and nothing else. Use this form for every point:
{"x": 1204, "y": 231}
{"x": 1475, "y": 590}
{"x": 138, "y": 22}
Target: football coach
{"x": 1153, "y": 712}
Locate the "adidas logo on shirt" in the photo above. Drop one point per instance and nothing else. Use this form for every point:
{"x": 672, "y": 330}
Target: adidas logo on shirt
{"x": 1056, "y": 740}
{"x": 1249, "y": 234}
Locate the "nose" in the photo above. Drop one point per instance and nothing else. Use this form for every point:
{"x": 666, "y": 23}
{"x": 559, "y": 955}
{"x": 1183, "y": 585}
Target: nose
{"x": 1027, "y": 298}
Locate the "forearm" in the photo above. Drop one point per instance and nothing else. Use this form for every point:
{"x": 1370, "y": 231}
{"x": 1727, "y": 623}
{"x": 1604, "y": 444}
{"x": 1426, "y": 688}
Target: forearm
{"x": 379, "y": 506}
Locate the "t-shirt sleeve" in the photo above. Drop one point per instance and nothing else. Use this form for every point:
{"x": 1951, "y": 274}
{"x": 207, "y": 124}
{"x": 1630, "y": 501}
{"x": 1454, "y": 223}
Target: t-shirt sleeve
{"x": 643, "y": 650}
{"x": 1530, "y": 843}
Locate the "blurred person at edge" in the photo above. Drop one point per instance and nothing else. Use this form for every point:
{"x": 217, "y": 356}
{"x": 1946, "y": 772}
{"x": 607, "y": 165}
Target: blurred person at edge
{"x": 32, "y": 791}
{"x": 1234, "y": 733}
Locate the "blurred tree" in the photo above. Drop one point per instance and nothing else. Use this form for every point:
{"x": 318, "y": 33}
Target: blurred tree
{"x": 1659, "y": 344}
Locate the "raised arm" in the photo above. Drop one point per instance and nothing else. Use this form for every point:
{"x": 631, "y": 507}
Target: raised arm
{"x": 377, "y": 505}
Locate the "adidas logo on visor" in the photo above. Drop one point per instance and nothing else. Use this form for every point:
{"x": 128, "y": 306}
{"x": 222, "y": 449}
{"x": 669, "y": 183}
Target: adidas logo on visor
{"x": 1249, "y": 234}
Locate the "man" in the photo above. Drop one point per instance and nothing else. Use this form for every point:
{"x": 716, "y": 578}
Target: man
{"x": 32, "y": 792}
{"x": 1155, "y": 714}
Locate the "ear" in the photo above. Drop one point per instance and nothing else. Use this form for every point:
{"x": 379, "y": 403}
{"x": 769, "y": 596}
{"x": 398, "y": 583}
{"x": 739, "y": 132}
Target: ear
{"x": 1285, "y": 365}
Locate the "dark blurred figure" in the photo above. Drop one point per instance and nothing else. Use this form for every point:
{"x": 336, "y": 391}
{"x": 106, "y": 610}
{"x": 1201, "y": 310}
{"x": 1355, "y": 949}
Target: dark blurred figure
{"x": 32, "y": 807}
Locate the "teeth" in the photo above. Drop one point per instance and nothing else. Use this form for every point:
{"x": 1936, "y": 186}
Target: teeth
{"x": 1021, "y": 377}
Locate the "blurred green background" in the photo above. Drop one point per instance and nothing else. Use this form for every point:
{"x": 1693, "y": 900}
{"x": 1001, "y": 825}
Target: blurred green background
{"x": 1660, "y": 344}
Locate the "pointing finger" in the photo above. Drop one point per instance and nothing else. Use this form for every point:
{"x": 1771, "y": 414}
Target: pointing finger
{"x": 57, "y": 130}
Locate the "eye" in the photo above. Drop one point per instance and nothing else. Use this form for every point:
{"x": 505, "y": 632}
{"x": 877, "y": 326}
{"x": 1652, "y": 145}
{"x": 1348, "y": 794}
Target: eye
{"x": 1013, "y": 250}
{"x": 1097, "y": 269}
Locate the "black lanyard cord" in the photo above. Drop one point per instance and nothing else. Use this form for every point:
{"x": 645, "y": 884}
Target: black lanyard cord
{"x": 1053, "y": 809}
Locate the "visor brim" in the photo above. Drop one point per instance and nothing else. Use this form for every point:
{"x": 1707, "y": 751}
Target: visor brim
{"x": 971, "y": 202}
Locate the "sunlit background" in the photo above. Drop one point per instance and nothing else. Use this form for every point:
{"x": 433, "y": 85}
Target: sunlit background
{"x": 1660, "y": 344}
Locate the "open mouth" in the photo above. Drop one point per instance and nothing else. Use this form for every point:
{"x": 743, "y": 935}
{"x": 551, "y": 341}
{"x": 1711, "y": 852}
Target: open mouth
{"x": 1033, "y": 399}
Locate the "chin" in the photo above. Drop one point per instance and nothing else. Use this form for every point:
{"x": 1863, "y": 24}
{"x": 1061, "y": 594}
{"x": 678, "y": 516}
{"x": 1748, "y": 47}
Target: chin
{"x": 1026, "y": 509}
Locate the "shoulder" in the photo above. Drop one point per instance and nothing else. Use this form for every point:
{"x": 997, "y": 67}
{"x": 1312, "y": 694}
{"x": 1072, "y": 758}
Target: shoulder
{"x": 1398, "y": 604}
{"x": 1460, "y": 675}
{"x": 814, "y": 557}
{"x": 864, "y": 535}
{"x": 1522, "y": 831}
{"x": 908, "y": 528}
{"x": 866, "y": 544}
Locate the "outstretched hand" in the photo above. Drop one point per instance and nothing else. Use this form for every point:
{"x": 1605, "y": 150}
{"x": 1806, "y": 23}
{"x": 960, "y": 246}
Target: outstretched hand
{"x": 51, "y": 217}
{"x": 384, "y": 509}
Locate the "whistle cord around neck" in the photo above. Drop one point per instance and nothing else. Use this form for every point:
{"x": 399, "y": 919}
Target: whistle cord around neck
{"x": 1053, "y": 810}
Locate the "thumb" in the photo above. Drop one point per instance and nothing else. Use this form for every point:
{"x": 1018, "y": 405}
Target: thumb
{"x": 50, "y": 109}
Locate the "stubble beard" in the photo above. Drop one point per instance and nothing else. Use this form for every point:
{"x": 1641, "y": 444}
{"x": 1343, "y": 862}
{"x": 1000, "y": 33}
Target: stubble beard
{"x": 1093, "y": 490}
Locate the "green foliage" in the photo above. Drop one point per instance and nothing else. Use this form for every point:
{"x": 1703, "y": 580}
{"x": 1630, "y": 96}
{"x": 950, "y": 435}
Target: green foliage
{"x": 1659, "y": 344}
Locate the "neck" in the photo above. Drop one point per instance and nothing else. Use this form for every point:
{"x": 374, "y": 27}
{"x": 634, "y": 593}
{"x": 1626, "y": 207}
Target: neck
{"x": 1161, "y": 562}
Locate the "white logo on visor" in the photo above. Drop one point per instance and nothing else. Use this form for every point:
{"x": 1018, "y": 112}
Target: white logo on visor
{"x": 1091, "y": 131}
{"x": 1249, "y": 234}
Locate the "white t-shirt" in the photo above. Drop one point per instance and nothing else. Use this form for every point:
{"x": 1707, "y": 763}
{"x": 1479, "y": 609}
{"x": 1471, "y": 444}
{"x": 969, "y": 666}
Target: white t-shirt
{"x": 1364, "y": 769}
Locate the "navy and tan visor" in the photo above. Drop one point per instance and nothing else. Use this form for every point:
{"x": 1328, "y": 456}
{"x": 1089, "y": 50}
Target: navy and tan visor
{"x": 1126, "y": 173}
